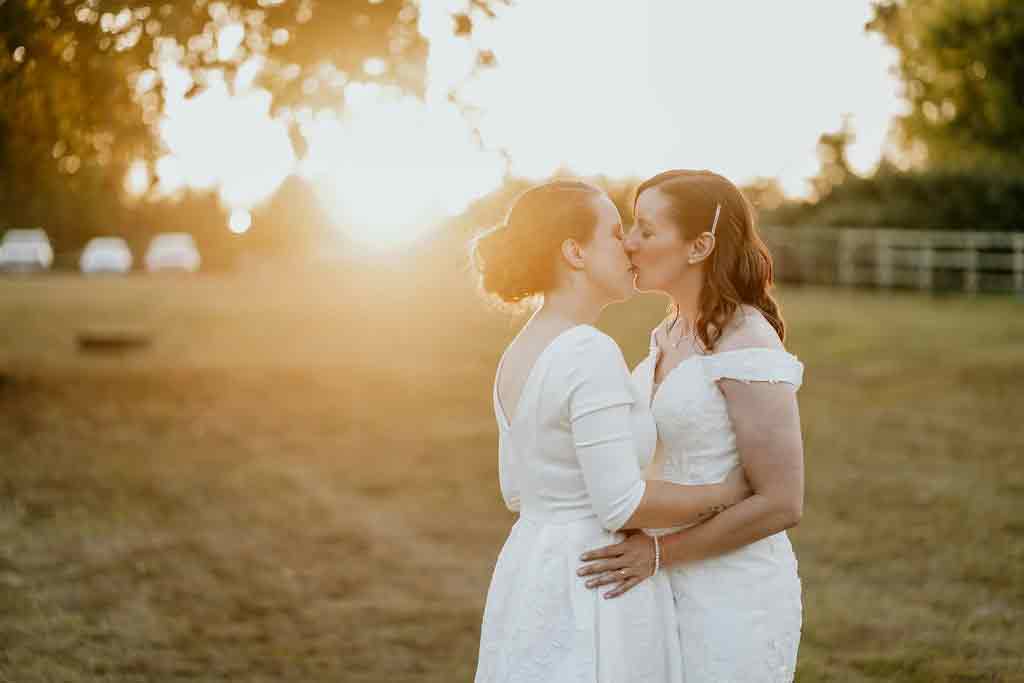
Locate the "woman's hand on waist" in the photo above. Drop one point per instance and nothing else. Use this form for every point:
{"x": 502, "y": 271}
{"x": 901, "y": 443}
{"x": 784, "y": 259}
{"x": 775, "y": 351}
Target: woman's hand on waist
{"x": 623, "y": 565}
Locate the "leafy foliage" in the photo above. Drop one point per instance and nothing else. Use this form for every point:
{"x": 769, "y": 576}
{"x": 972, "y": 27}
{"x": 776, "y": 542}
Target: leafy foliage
{"x": 936, "y": 199}
{"x": 962, "y": 64}
{"x": 963, "y": 67}
{"x": 82, "y": 86}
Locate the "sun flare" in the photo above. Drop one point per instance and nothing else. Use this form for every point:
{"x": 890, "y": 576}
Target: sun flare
{"x": 392, "y": 167}
{"x": 389, "y": 166}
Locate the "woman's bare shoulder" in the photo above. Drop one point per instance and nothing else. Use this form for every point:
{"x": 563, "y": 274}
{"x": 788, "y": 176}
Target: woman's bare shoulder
{"x": 749, "y": 329}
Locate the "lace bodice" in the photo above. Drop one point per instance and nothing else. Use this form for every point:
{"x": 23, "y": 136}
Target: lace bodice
{"x": 696, "y": 440}
{"x": 739, "y": 613}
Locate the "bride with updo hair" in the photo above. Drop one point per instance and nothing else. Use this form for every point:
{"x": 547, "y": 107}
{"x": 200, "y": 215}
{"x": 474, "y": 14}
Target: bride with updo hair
{"x": 573, "y": 437}
{"x": 517, "y": 258}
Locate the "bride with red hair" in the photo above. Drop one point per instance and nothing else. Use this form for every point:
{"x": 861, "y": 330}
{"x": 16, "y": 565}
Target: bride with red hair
{"x": 722, "y": 389}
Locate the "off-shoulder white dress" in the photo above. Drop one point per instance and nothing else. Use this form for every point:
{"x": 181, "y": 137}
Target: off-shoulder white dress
{"x": 739, "y": 614}
{"x": 570, "y": 459}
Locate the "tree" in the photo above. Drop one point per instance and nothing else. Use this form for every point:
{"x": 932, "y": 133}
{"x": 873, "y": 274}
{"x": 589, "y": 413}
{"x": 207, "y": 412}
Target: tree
{"x": 80, "y": 82}
{"x": 962, "y": 64}
{"x": 835, "y": 166}
{"x": 766, "y": 194}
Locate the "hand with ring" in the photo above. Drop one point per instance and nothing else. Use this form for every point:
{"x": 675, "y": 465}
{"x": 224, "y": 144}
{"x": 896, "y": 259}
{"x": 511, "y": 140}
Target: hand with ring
{"x": 623, "y": 565}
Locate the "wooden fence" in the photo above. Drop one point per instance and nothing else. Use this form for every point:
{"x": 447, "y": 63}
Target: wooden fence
{"x": 971, "y": 262}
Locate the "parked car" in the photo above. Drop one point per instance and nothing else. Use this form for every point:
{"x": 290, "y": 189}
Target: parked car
{"x": 172, "y": 251}
{"x": 26, "y": 250}
{"x": 106, "y": 255}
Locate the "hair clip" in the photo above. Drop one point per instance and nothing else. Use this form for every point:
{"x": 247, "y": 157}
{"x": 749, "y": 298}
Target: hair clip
{"x": 714, "y": 224}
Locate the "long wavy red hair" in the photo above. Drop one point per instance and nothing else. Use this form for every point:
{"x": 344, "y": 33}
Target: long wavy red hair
{"x": 739, "y": 269}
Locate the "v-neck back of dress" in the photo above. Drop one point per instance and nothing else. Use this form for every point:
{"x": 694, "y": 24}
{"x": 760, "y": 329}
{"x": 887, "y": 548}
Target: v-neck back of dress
{"x": 539, "y": 460}
{"x": 569, "y": 461}
{"x": 504, "y": 419}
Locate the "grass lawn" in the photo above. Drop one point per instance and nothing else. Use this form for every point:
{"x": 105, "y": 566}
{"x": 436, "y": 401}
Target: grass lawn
{"x": 296, "y": 479}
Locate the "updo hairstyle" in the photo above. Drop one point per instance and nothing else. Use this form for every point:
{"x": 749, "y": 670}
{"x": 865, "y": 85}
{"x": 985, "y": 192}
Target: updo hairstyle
{"x": 518, "y": 258}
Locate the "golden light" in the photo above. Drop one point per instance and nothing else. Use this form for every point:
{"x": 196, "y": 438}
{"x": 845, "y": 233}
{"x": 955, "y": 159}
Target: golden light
{"x": 228, "y": 142}
{"x": 240, "y": 221}
{"x": 136, "y": 181}
{"x": 280, "y": 36}
{"x": 375, "y": 66}
{"x": 669, "y": 84}
{"x": 392, "y": 167}
{"x": 229, "y": 39}
{"x": 170, "y": 175}
{"x": 389, "y": 166}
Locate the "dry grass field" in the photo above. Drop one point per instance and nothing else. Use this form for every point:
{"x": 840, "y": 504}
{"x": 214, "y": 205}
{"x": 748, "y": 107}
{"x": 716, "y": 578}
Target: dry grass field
{"x": 295, "y": 480}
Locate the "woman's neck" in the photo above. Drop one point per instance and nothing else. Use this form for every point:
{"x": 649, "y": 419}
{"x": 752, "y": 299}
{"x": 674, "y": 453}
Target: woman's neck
{"x": 686, "y": 302}
{"x": 570, "y": 306}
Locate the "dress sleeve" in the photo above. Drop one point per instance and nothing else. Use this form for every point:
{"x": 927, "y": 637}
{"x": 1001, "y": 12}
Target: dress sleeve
{"x": 507, "y": 478}
{"x": 755, "y": 365}
{"x": 599, "y": 402}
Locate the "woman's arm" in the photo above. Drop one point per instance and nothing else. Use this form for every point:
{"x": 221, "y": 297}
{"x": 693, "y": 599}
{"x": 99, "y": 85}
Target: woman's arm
{"x": 667, "y": 504}
{"x": 604, "y": 446}
{"x": 508, "y": 482}
{"x": 766, "y": 421}
{"x": 598, "y": 406}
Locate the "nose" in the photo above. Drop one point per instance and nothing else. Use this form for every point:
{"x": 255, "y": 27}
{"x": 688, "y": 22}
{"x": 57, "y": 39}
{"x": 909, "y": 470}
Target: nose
{"x": 630, "y": 242}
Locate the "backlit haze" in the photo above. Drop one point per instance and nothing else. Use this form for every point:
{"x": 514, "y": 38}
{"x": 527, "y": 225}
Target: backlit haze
{"x": 618, "y": 89}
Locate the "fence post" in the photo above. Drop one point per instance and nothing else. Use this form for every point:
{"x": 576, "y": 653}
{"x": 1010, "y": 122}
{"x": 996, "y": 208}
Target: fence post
{"x": 847, "y": 248}
{"x": 1018, "y": 263}
{"x": 972, "y": 265}
{"x": 925, "y": 264}
{"x": 809, "y": 256}
{"x": 883, "y": 261}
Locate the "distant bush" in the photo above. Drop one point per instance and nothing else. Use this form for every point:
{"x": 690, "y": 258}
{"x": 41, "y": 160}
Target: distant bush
{"x": 931, "y": 200}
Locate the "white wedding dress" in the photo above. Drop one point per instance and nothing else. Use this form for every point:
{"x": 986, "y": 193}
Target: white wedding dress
{"x": 570, "y": 458}
{"x": 739, "y": 614}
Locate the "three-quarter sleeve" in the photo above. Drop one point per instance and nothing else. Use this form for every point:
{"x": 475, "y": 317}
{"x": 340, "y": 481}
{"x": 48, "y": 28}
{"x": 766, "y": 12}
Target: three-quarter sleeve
{"x": 599, "y": 402}
{"x": 508, "y": 480}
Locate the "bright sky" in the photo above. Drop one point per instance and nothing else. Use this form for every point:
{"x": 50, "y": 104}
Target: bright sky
{"x": 623, "y": 89}
{"x": 634, "y": 88}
